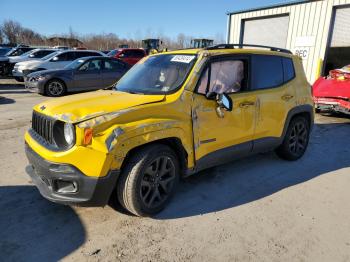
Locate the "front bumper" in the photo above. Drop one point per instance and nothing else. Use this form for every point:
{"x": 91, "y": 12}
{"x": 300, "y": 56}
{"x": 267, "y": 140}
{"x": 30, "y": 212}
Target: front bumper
{"x": 66, "y": 184}
{"x": 34, "y": 86}
{"x": 17, "y": 73}
{"x": 332, "y": 104}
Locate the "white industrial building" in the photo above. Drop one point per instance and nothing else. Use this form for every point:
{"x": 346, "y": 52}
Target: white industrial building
{"x": 318, "y": 31}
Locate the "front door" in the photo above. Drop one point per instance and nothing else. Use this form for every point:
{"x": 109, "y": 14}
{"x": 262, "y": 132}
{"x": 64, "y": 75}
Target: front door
{"x": 112, "y": 71}
{"x": 221, "y": 136}
{"x": 88, "y": 75}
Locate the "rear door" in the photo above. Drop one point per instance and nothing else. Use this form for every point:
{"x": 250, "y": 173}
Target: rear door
{"x": 112, "y": 71}
{"x": 273, "y": 83}
{"x": 88, "y": 76}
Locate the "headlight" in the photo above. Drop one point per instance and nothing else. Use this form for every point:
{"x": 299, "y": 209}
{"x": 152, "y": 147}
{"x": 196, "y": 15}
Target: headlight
{"x": 63, "y": 134}
{"x": 68, "y": 131}
{"x": 37, "y": 78}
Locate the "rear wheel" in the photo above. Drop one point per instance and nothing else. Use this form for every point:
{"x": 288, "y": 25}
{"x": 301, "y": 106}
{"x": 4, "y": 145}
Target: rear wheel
{"x": 55, "y": 87}
{"x": 296, "y": 139}
{"x": 148, "y": 180}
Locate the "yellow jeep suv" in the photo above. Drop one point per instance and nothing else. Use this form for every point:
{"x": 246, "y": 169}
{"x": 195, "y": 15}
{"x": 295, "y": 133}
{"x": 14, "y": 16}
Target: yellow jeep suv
{"x": 172, "y": 115}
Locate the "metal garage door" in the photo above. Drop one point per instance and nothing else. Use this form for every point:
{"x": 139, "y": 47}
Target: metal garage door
{"x": 341, "y": 31}
{"x": 271, "y": 31}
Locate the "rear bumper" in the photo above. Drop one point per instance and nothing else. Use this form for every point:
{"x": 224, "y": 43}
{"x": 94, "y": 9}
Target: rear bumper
{"x": 332, "y": 104}
{"x": 66, "y": 184}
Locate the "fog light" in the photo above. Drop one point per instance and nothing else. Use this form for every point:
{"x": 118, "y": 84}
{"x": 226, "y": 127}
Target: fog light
{"x": 62, "y": 186}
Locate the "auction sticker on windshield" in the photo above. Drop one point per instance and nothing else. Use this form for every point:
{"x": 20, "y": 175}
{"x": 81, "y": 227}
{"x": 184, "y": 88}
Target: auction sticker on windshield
{"x": 183, "y": 58}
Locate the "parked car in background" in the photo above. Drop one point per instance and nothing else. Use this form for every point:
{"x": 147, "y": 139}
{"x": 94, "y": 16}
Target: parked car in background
{"x": 53, "y": 61}
{"x": 19, "y": 50}
{"x": 13, "y": 52}
{"x": 83, "y": 74}
{"x": 128, "y": 55}
{"x": 332, "y": 93}
{"x": 4, "y": 50}
{"x": 30, "y": 55}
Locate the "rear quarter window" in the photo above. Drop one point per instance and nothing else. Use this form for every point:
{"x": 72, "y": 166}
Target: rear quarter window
{"x": 288, "y": 69}
{"x": 267, "y": 72}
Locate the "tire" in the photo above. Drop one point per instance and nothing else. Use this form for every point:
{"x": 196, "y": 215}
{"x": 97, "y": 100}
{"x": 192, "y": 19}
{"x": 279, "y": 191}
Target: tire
{"x": 19, "y": 79}
{"x": 55, "y": 87}
{"x": 317, "y": 110}
{"x": 296, "y": 139}
{"x": 144, "y": 187}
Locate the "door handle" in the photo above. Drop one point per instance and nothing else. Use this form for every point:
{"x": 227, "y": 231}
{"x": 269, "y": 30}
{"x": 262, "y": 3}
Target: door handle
{"x": 246, "y": 104}
{"x": 287, "y": 97}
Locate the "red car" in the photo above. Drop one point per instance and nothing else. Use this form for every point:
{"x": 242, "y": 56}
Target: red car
{"x": 332, "y": 93}
{"x": 128, "y": 55}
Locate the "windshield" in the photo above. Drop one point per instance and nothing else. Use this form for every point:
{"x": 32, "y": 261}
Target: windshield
{"x": 157, "y": 75}
{"x": 50, "y": 55}
{"x": 113, "y": 52}
{"x": 75, "y": 64}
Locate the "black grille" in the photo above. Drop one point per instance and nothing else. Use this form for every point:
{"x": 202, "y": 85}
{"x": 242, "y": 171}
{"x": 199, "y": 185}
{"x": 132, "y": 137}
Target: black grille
{"x": 43, "y": 126}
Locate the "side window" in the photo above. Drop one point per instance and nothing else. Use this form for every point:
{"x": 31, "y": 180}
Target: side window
{"x": 267, "y": 72}
{"x": 226, "y": 76}
{"x": 127, "y": 53}
{"x": 92, "y": 65}
{"x": 138, "y": 53}
{"x": 71, "y": 56}
{"x": 93, "y": 54}
{"x": 81, "y": 54}
{"x": 60, "y": 57}
{"x": 113, "y": 65}
{"x": 40, "y": 54}
{"x": 288, "y": 69}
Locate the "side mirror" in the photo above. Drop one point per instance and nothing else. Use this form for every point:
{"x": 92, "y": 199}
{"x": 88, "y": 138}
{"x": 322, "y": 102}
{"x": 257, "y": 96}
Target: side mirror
{"x": 121, "y": 55}
{"x": 54, "y": 59}
{"x": 224, "y": 101}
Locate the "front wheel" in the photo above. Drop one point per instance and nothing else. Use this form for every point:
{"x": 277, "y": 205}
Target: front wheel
{"x": 19, "y": 79}
{"x": 148, "y": 180}
{"x": 296, "y": 139}
{"x": 55, "y": 87}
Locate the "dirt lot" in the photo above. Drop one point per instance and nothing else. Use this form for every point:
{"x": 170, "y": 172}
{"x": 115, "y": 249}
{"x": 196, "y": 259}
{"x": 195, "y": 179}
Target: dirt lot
{"x": 257, "y": 209}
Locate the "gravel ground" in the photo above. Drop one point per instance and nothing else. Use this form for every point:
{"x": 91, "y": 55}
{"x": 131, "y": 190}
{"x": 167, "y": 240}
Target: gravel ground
{"x": 258, "y": 209}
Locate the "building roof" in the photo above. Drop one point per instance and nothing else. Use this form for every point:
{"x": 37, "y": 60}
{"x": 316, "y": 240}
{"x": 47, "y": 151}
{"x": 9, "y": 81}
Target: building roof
{"x": 297, "y": 2}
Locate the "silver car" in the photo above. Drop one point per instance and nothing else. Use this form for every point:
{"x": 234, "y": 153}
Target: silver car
{"x": 56, "y": 60}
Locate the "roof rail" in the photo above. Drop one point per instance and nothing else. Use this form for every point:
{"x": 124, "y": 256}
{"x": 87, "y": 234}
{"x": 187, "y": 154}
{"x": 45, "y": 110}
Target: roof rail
{"x": 233, "y": 46}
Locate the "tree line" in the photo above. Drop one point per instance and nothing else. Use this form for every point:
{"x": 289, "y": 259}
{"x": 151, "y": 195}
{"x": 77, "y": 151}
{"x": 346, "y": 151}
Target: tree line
{"x": 12, "y": 32}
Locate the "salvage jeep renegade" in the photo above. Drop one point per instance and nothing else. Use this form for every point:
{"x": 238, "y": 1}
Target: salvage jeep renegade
{"x": 172, "y": 115}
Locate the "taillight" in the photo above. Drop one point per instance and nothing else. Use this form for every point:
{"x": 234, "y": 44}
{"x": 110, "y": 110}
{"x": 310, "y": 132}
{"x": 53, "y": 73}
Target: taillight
{"x": 346, "y": 75}
{"x": 339, "y": 75}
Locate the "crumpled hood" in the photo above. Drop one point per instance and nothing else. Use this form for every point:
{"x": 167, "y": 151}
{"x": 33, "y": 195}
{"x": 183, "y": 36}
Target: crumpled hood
{"x": 331, "y": 88}
{"x": 81, "y": 107}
